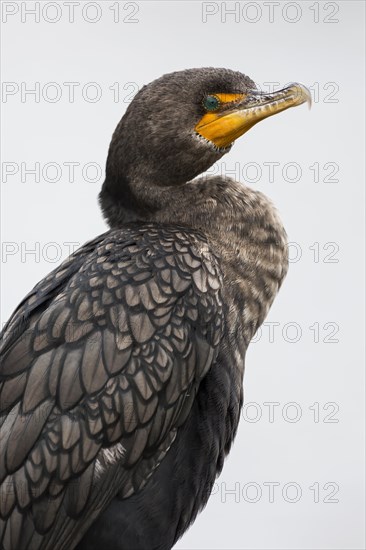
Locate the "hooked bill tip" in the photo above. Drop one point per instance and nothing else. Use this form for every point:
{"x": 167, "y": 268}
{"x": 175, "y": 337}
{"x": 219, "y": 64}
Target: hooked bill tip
{"x": 303, "y": 94}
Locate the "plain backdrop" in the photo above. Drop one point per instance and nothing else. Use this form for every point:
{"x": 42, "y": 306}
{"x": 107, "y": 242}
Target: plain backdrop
{"x": 294, "y": 479}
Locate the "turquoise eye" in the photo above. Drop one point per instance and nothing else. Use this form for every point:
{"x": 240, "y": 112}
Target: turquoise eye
{"x": 211, "y": 103}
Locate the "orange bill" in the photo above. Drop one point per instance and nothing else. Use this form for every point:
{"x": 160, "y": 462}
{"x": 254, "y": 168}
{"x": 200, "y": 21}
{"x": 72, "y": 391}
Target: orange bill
{"x": 237, "y": 113}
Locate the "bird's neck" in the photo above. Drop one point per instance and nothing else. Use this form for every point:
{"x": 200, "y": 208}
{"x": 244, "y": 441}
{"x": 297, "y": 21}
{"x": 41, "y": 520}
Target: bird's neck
{"x": 240, "y": 224}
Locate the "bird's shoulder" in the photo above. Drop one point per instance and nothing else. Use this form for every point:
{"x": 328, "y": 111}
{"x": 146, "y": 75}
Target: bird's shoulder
{"x": 131, "y": 255}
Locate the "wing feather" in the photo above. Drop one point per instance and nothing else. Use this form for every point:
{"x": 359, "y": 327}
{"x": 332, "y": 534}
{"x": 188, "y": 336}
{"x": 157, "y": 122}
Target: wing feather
{"x": 98, "y": 368}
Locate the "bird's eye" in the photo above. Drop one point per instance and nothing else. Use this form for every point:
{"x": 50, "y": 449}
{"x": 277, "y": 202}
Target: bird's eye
{"x": 211, "y": 103}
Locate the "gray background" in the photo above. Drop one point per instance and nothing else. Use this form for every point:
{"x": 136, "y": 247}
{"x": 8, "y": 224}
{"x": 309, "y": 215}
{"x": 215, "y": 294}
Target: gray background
{"x": 312, "y": 376}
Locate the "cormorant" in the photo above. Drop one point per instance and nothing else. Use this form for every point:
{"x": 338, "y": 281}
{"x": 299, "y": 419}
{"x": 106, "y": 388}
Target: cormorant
{"x": 121, "y": 371}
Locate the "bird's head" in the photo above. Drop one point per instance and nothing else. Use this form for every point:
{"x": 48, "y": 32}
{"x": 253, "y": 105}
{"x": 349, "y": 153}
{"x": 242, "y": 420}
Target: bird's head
{"x": 177, "y": 126}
